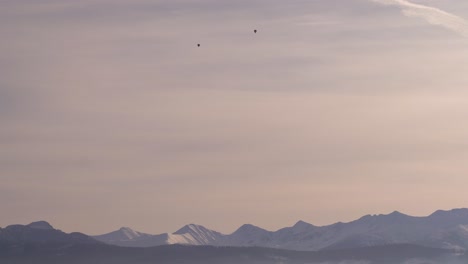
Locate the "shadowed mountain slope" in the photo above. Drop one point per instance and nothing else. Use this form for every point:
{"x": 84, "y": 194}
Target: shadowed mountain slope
{"x": 442, "y": 229}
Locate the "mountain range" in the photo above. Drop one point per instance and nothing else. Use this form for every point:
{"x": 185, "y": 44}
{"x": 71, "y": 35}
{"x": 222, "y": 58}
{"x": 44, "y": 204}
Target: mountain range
{"x": 394, "y": 238}
{"x": 442, "y": 229}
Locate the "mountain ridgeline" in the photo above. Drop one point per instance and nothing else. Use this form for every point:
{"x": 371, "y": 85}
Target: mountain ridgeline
{"x": 373, "y": 239}
{"x": 41, "y": 232}
{"x": 442, "y": 229}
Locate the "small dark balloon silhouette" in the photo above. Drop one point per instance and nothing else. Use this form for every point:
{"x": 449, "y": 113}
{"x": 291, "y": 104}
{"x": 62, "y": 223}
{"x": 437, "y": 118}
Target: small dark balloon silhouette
{"x": 255, "y": 31}
{"x": 198, "y": 45}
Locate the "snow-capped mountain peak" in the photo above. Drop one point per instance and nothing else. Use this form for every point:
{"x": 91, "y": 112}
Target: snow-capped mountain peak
{"x": 191, "y": 229}
{"x": 442, "y": 229}
{"x": 123, "y": 234}
{"x": 194, "y": 235}
{"x": 129, "y": 233}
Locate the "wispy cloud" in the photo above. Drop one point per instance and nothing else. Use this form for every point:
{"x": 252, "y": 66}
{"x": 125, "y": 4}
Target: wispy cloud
{"x": 431, "y": 14}
{"x": 100, "y": 98}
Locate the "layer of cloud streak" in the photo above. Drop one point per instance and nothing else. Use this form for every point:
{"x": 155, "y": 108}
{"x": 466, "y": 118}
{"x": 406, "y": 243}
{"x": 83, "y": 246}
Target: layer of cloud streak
{"x": 114, "y": 106}
{"x": 432, "y": 15}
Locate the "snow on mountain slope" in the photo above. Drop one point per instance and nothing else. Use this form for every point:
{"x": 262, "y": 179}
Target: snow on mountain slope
{"x": 130, "y": 234}
{"x": 123, "y": 234}
{"x": 464, "y": 228}
{"x": 248, "y": 236}
{"x": 194, "y": 235}
{"x": 442, "y": 229}
{"x": 290, "y": 237}
{"x": 127, "y": 237}
{"x": 188, "y": 235}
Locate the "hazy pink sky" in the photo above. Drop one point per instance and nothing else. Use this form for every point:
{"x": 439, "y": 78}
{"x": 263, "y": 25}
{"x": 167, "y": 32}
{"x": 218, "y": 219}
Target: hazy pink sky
{"x": 112, "y": 116}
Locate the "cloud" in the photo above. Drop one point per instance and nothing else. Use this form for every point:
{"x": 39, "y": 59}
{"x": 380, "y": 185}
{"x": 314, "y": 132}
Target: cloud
{"x": 103, "y": 98}
{"x": 432, "y": 15}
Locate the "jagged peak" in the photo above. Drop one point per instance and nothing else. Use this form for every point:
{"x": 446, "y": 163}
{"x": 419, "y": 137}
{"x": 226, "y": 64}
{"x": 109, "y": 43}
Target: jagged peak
{"x": 302, "y": 224}
{"x": 41, "y": 225}
{"x": 383, "y": 218}
{"x": 396, "y": 214}
{"x": 192, "y": 228}
{"x": 392, "y": 214}
{"x": 128, "y": 232}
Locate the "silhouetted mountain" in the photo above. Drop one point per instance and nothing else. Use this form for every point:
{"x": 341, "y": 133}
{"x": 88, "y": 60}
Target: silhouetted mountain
{"x": 442, "y": 229}
{"x": 41, "y": 225}
{"x": 41, "y": 232}
{"x": 372, "y": 239}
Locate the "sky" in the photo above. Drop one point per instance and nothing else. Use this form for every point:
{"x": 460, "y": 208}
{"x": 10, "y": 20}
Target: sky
{"x": 112, "y": 116}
